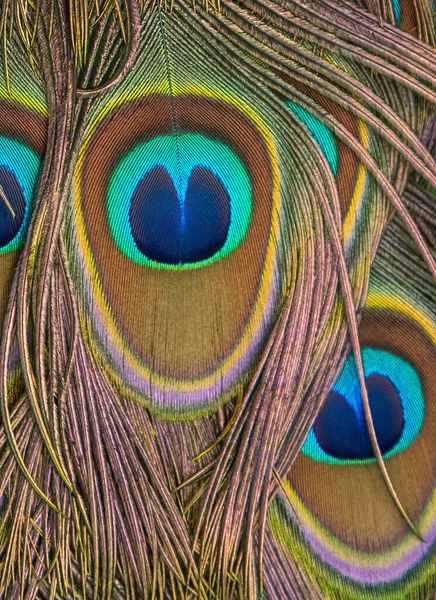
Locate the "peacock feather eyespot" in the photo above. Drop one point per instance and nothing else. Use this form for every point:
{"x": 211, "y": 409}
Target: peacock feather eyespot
{"x": 179, "y": 201}
{"x": 339, "y": 434}
{"x": 19, "y": 167}
{"x": 335, "y": 485}
{"x": 189, "y": 213}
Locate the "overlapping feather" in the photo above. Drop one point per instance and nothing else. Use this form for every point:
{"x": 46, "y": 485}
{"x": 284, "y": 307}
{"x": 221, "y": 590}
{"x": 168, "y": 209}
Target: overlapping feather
{"x": 108, "y": 490}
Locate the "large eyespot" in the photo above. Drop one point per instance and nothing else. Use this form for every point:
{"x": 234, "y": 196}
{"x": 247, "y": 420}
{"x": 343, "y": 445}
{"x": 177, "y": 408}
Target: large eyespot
{"x": 179, "y": 239}
{"x": 396, "y": 399}
{"x": 19, "y": 167}
{"x": 179, "y": 200}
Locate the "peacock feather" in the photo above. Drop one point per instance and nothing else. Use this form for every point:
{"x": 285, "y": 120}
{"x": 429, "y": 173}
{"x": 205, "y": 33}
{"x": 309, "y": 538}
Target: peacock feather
{"x": 217, "y": 266}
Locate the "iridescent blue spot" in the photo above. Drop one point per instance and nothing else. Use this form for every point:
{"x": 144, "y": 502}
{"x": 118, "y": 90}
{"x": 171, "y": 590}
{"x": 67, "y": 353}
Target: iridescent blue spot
{"x": 322, "y": 134}
{"x": 386, "y": 410}
{"x": 179, "y": 202}
{"x": 396, "y": 399}
{"x": 171, "y": 232}
{"x": 19, "y": 167}
{"x": 155, "y": 217}
{"x": 342, "y": 432}
{"x": 12, "y": 206}
{"x": 206, "y": 216}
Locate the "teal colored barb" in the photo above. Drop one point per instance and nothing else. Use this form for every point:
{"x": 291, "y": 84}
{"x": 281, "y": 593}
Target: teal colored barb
{"x": 321, "y": 133}
{"x": 396, "y": 9}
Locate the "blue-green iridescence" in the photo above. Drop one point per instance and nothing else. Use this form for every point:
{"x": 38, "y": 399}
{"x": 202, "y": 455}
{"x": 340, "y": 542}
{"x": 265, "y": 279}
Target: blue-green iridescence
{"x": 160, "y": 190}
{"x": 396, "y": 9}
{"x": 322, "y": 134}
{"x": 19, "y": 168}
{"x": 349, "y": 427}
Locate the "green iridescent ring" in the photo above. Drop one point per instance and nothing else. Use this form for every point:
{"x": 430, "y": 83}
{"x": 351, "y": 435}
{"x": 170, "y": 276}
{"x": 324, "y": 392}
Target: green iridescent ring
{"x": 179, "y": 155}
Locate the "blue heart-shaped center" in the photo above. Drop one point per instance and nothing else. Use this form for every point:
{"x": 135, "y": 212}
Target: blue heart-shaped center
{"x": 396, "y": 400}
{"x": 171, "y": 230}
{"x": 342, "y": 432}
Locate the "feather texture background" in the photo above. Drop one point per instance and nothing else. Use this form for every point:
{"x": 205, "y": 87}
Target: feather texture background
{"x": 217, "y": 262}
